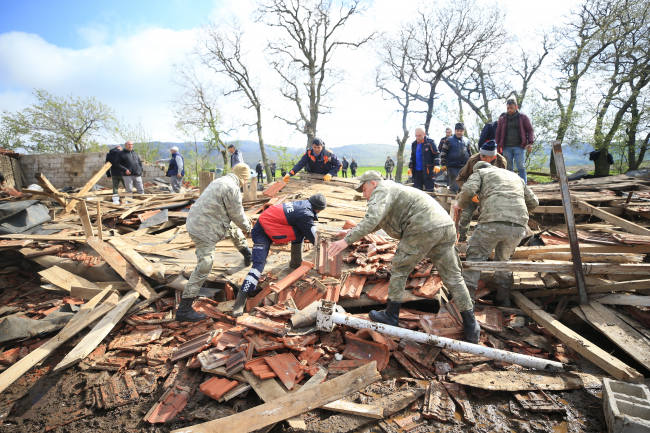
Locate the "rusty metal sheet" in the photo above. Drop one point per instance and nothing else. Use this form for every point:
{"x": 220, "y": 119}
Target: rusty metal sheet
{"x": 358, "y": 348}
{"x": 437, "y": 403}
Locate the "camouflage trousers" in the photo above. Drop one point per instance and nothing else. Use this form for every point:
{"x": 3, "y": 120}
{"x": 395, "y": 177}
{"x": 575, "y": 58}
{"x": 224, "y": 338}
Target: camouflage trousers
{"x": 502, "y": 238}
{"x": 466, "y": 217}
{"x": 413, "y": 248}
{"x": 205, "y": 258}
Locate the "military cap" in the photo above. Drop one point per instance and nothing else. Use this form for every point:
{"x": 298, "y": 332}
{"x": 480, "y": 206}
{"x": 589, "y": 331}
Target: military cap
{"x": 368, "y": 175}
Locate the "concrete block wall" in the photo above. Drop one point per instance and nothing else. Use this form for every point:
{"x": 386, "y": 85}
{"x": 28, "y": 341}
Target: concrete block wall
{"x": 74, "y": 169}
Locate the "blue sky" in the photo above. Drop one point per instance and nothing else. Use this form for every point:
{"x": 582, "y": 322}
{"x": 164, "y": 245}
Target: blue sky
{"x": 69, "y": 23}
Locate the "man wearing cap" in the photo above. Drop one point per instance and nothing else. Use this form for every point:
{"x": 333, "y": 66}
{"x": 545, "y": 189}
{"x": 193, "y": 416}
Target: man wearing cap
{"x": 425, "y": 229}
{"x": 389, "y": 165}
{"x": 353, "y": 167}
{"x": 344, "y": 167}
{"x": 488, "y": 153}
{"x": 318, "y": 160}
{"x": 176, "y": 169}
{"x": 425, "y": 161}
{"x": 236, "y": 157}
{"x": 454, "y": 154}
{"x": 505, "y": 202}
{"x": 217, "y": 213}
{"x": 280, "y": 224}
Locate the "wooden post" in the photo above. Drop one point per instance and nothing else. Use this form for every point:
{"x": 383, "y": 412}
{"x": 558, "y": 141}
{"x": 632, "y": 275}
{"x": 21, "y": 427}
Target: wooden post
{"x": 85, "y": 219}
{"x": 205, "y": 178}
{"x": 99, "y": 222}
{"x": 570, "y": 221}
{"x": 252, "y": 191}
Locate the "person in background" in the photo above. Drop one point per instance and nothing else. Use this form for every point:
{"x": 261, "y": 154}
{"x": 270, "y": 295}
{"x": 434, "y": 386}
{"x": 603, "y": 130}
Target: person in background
{"x": 283, "y": 171}
{"x": 259, "y": 169}
{"x": 236, "y": 157}
{"x": 353, "y": 167}
{"x": 272, "y": 168}
{"x": 454, "y": 154}
{"x": 425, "y": 161}
{"x": 130, "y": 164}
{"x": 389, "y": 165}
{"x": 489, "y": 131}
{"x": 448, "y": 133}
{"x": 114, "y": 173}
{"x": 318, "y": 160}
{"x": 515, "y": 136}
{"x": 344, "y": 167}
{"x": 176, "y": 169}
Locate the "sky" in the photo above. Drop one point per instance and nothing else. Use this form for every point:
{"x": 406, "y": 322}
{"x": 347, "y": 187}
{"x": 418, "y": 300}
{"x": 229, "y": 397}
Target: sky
{"x": 122, "y": 52}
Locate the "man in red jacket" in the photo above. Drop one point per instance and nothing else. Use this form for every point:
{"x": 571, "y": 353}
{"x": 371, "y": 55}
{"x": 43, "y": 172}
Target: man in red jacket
{"x": 514, "y": 137}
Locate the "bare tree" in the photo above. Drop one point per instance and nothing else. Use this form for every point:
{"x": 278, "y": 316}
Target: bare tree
{"x": 303, "y": 57}
{"x": 220, "y": 49}
{"x": 639, "y": 122}
{"x": 396, "y": 78}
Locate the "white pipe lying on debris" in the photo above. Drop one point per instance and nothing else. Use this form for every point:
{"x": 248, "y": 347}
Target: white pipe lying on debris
{"x": 328, "y": 317}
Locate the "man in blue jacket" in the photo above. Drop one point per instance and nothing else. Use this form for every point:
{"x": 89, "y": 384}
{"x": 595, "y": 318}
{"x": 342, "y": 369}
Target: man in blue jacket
{"x": 176, "y": 169}
{"x": 280, "y": 224}
{"x": 425, "y": 161}
{"x": 318, "y": 160}
{"x": 454, "y": 154}
{"x": 489, "y": 131}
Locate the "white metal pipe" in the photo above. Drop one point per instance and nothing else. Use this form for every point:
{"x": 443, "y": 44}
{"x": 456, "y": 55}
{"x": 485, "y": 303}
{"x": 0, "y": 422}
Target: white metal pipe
{"x": 446, "y": 343}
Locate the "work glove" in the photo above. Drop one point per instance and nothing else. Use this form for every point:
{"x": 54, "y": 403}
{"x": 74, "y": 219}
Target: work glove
{"x": 286, "y": 178}
{"x": 475, "y": 199}
{"x": 409, "y": 172}
{"x": 327, "y": 177}
{"x": 436, "y": 170}
{"x": 443, "y": 168}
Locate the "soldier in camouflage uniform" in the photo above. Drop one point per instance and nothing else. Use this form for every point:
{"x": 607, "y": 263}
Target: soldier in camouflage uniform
{"x": 505, "y": 202}
{"x": 218, "y": 213}
{"x": 424, "y": 229}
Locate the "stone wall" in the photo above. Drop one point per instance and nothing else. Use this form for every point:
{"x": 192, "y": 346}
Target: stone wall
{"x": 74, "y": 169}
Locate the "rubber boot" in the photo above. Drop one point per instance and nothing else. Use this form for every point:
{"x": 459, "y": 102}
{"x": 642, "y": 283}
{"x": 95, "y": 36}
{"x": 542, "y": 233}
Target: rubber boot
{"x": 472, "y": 328}
{"x": 185, "y": 312}
{"x": 296, "y": 256}
{"x": 240, "y": 303}
{"x": 390, "y": 316}
{"x": 248, "y": 256}
{"x": 502, "y": 298}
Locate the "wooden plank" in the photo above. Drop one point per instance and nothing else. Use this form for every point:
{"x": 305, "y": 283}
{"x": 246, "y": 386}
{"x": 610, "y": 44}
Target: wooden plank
{"x": 576, "y": 210}
{"x": 621, "y": 334}
{"x": 140, "y": 263}
{"x": 45, "y": 237}
{"x": 562, "y": 268}
{"x": 49, "y": 188}
{"x": 122, "y": 267}
{"x": 64, "y": 279}
{"x": 297, "y": 422}
{"x": 625, "y": 286}
{"x": 205, "y": 179}
{"x": 93, "y": 180}
{"x": 100, "y": 235}
{"x": 86, "y": 315}
{"x": 366, "y": 410}
{"x": 291, "y": 405}
{"x": 527, "y": 380}
{"x": 99, "y": 332}
{"x": 575, "y": 341}
{"x": 525, "y": 252}
{"x": 591, "y": 257}
{"x": 639, "y": 301}
{"x": 618, "y": 221}
{"x": 85, "y": 293}
{"x": 85, "y": 219}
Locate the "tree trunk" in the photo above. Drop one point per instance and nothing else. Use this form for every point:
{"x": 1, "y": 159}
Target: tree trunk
{"x": 267, "y": 167}
{"x": 631, "y": 138}
{"x": 224, "y": 155}
{"x": 432, "y": 95}
{"x": 401, "y": 144}
{"x": 601, "y": 164}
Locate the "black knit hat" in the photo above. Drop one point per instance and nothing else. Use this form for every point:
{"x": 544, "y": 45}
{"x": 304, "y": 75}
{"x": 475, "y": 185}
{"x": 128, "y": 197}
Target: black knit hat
{"x": 318, "y": 142}
{"x": 318, "y": 201}
{"x": 460, "y": 125}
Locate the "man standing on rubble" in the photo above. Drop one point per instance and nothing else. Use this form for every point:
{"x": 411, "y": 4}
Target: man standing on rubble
{"x": 318, "y": 160}
{"x": 515, "y": 137}
{"x": 505, "y": 202}
{"x": 454, "y": 154}
{"x": 236, "y": 157}
{"x": 273, "y": 166}
{"x": 488, "y": 153}
{"x": 259, "y": 169}
{"x": 425, "y": 229}
{"x": 344, "y": 167}
{"x": 217, "y": 213}
{"x": 130, "y": 165}
{"x": 389, "y": 165}
{"x": 353, "y": 167}
{"x": 280, "y": 224}
{"x": 425, "y": 161}
{"x": 114, "y": 172}
{"x": 176, "y": 169}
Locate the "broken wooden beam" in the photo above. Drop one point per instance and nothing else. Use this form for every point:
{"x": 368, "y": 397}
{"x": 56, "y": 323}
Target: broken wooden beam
{"x": 82, "y": 210}
{"x": 527, "y": 380}
{"x": 91, "y": 182}
{"x": 590, "y": 257}
{"x": 140, "y": 263}
{"x": 560, "y": 268}
{"x": 623, "y": 286}
{"x": 617, "y": 221}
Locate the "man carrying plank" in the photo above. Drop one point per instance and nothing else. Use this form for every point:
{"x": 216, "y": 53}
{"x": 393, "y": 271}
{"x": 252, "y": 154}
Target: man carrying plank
{"x": 424, "y": 229}
{"x": 210, "y": 220}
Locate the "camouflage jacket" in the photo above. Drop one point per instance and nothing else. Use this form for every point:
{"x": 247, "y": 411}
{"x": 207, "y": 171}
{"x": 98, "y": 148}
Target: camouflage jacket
{"x": 503, "y": 196}
{"x": 468, "y": 170}
{"x": 218, "y": 205}
{"x": 401, "y": 211}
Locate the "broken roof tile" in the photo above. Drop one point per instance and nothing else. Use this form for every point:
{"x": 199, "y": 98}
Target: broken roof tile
{"x": 346, "y": 365}
{"x": 326, "y": 265}
{"x": 353, "y": 286}
{"x": 379, "y": 292}
{"x": 490, "y": 319}
{"x": 358, "y": 348}
{"x": 287, "y": 367}
{"x": 292, "y": 277}
{"x": 192, "y": 347}
{"x": 170, "y": 404}
{"x": 264, "y": 325}
{"x": 438, "y": 404}
{"x": 430, "y": 288}
{"x": 304, "y": 298}
{"x": 217, "y": 387}
{"x": 274, "y": 188}
{"x": 135, "y": 338}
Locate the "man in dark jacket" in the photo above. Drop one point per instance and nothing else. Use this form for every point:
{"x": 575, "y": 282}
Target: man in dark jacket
{"x": 515, "y": 136}
{"x": 129, "y": 163}
{"x": 318, "y": 160}
{"x": 280, "y": 224}
{"x": 236, "y": 156}
{"x": 489, "y": 131}
{"x": 425, "y": 161}
{"x": 344, "y": 167}
{"x": 272, "y": 167}
{"x": 447, "y": 135}
{"x": 454, "y": 154}
{"x": 176, "y": 169}
{"x": 353, "y": 167}
{"x": 389, "y": 165}
{"x": 114, "y": 172}
{"x": 259, "y": 169}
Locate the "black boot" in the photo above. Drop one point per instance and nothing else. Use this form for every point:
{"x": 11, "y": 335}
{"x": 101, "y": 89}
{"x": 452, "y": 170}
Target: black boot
{"x": 240, "y": 303}
{"x": 248, "y": 256}
{"x": 502, "y": 298}
{"x": 185, "y": 312}
{"x": 472, "y": 328}
{"x": 296, "y": 256}
{"x": 390, "y": 316}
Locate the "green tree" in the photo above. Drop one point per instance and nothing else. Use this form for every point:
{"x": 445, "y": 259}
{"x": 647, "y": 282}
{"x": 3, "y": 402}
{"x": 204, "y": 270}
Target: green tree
{"x": 287, "y": 157}
{"x": 57, "y": 124}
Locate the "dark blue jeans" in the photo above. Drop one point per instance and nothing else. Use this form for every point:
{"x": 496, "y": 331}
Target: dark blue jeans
{"x": 420, "y": 180}
{"x": 452, "y": 174}
{"x": 261, "y": 247}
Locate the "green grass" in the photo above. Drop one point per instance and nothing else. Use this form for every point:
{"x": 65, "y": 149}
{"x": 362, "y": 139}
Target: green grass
{"x": 380, "y": 169}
